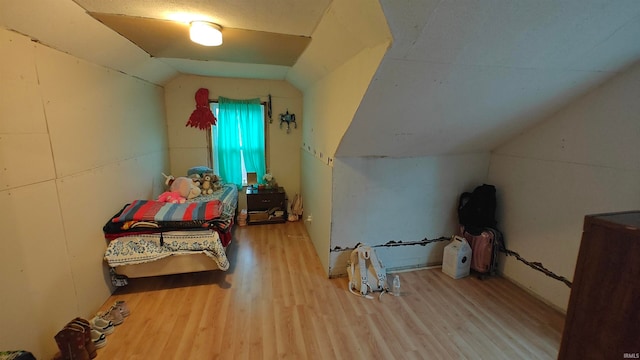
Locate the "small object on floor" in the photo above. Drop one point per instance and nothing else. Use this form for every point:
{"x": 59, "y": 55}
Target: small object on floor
{"x": 104, "y": 326}
{"x": 113, "y": 315}
{"x": 242, "y": 218}
{"x": 98, "y": 339}
{"x": 366, "y": 272}
{"x": 70, "y": 341}
{"x": 457, "y": 258}
{"x": 86, "y": 330}
{"x": 396, "y": 285}
{"x": 117, "y": 279}
{"x": 16, "y": 355}
{"x": 122, "y": 307}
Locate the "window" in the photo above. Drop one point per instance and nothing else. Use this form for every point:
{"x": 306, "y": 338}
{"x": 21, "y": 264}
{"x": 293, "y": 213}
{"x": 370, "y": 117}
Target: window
{"x": 238, "y": 139}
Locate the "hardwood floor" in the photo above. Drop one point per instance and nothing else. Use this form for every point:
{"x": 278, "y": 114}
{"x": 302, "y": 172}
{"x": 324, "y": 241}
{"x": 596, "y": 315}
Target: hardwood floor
{"x": 275, "y": 302}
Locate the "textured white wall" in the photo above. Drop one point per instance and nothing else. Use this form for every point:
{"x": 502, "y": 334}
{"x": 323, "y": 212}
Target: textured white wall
{"x": 377, "y": 200}
{"x": 329, "y": 105}
{"x": 77, "y": 141}
{"x": 583, "y": 160}
{"x": 316, "y": 196}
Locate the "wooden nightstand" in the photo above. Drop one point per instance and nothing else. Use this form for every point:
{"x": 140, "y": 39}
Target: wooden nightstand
{"x": 266, "y": 206}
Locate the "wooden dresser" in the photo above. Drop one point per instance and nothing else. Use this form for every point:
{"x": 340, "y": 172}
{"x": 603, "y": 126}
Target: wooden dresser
{"x": 266, "y": 205}
{"x": 603, "y": 316}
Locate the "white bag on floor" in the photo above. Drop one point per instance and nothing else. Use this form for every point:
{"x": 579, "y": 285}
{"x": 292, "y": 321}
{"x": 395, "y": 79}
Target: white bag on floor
{"x": 366, "y": 272}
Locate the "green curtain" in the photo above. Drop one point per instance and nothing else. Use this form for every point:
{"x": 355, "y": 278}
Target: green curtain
{"x": 240, "y": 137}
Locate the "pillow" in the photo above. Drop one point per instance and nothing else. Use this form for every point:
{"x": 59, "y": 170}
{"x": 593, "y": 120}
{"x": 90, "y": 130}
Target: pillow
{"x": 200, "y": 170}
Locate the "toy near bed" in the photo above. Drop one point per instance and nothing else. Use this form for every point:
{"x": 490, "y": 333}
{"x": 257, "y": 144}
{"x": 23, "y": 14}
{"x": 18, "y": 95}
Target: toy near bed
{"x": 151, "y": 238}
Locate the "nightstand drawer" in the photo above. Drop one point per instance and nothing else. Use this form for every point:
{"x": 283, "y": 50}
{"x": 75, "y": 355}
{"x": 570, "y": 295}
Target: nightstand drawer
{"x": 264, "y": 201}
{"x": 266, "y": 205}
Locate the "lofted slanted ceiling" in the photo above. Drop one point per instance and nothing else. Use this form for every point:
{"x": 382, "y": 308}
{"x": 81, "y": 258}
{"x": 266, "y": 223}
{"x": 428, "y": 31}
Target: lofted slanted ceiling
{"x": 254, "y": 32}
{"x": 466, "y": 75}
{"x": 460, "y": 75}
{"x": 169, "y": 39}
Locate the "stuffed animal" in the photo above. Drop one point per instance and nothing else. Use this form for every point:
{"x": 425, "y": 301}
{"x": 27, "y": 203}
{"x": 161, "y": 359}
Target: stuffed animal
{"x": 183, "y": 185}
{"x": 216, "y": 182}
{"x": 173, "y": 197}
{"x": 207, "y": 185}
{"x": 168, "y": 179}
{"x": 199, "y": 170}
{"x": 186, "y": 187}
{"x": 197, "y": 180}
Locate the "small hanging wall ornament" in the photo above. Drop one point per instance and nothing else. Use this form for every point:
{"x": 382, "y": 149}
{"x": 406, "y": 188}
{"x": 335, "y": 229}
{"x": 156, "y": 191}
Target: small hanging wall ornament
{"x": 202, "y": 117}
{"x": 289, "y": 119}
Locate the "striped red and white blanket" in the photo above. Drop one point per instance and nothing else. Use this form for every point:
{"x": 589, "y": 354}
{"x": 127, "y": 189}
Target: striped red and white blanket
{"x": 227, "y": 197}
{"x": 150, "y": 210}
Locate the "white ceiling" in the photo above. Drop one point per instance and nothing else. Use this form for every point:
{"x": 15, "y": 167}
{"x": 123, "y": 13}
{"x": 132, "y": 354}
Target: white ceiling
{"x": 66, "y": 25}
{"x": 466, "y": 75}
{"x": 460, "y": 76}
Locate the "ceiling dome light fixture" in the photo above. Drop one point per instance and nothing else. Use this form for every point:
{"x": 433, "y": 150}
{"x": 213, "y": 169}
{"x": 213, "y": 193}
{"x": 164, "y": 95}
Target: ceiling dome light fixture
{"x": 206, "y": 33}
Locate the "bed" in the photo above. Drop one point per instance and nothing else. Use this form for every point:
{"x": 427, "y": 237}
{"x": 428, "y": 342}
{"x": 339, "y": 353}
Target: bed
{"x": 151, "y": 238}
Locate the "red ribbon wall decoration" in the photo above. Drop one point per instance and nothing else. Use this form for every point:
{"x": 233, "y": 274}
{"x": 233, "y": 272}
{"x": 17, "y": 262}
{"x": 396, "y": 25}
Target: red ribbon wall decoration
{"x": 202, "y": 117}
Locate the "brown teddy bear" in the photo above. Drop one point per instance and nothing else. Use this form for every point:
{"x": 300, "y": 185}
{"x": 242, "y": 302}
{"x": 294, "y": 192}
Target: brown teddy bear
{"x": 207, "y": 184}
{"x": 210, "y": 183}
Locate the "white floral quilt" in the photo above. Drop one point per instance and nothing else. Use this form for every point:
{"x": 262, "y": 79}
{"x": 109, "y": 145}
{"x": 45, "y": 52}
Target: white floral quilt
{"x": 138, "y": 249}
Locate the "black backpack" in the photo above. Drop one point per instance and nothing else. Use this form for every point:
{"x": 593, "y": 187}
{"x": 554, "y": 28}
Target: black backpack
{"x": 477, "y": 209}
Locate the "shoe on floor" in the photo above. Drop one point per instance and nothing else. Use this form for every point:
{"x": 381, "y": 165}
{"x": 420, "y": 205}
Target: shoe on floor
{"x": 113, "y": 315}
{"x": 122, "y": 307}
{"x": 104, "y": 326}
{"x": 86, "y": 329}
{"x": 71, "y": 343}
{"x": 99, "y": 339}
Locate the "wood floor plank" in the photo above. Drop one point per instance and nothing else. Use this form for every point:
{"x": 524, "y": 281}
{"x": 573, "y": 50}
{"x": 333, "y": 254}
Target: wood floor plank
{"x": 275, "y": 302}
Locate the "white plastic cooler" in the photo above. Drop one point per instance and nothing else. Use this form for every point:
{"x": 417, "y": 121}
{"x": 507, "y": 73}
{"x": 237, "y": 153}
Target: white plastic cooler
{"x": 457, "y": 258}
